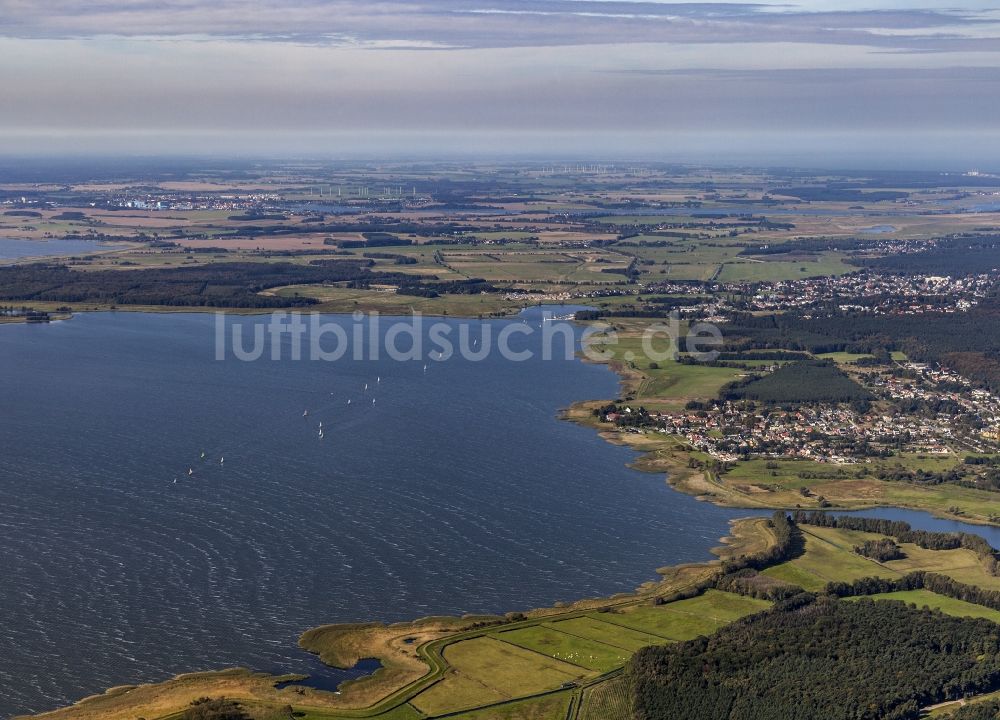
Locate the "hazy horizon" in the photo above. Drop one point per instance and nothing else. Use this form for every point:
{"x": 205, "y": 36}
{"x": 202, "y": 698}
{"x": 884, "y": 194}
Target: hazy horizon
{"x": 873, "y": 83}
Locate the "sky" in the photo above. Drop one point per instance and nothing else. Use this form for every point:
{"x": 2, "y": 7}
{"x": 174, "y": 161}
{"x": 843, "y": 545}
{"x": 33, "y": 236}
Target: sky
{"x": 887, "y": 83}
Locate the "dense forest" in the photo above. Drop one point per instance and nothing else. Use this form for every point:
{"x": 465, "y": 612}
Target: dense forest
{"x": 788, "y": 544}
{"x": 805, "y": 381}
{"x": 882, "y": 550}
{"x": 812, "y": 246}
{"x": 374, "y": 239}
{"x": 967, "y": 342}
{"x": 819, "y": 658}
{"x": 470, "y": 286}
{"x": 951, "y": 256}
{"x": 215, "y": 285}
{"x": 398, "y": 259}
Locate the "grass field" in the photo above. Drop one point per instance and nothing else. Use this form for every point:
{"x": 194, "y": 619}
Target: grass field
{"x": 655, "y": 378}
{"x": 486, "y": 670}
{"x": 609, "y": 700}
{"x": 614, "y": 635}
{"x": 843, "y": 358}
{"x": 688, "y": 619}
{"x": 586, "y": 653}
{"x": 722, "y": 607}
{"x": 830, "y": 557}
{"x": 755, "y": 271}
{"x": 456, "y": 692}
{"x": 509, "y": 669}
{"x": 550, "y": 707}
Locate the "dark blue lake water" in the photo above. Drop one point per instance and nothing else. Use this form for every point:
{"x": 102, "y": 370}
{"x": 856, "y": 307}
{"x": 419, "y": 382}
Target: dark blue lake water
{"x": 460, "y": 490}
{"x": 13, "y": 248}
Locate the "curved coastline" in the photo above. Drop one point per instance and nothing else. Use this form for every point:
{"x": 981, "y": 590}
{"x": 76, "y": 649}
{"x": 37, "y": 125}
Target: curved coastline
{"x": 390, "y": 685}
{"x": 422, "y": 641}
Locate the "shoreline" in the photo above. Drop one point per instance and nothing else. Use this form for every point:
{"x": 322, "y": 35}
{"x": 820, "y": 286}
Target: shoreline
{"x": 700, "y": 483}
{"x": 204, "y": 309}
{"x": 410, "y": 653}
{"x": 393, "y": 684}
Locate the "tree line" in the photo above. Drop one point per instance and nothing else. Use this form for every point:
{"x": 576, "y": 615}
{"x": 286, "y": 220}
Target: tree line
{"x": 213, "y": 285}
{"x": 804, "y": 381}
{"x": 818, "y": 657}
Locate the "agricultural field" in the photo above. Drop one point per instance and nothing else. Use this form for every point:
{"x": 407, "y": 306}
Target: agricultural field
{"x": 593, "y": 628}
{"x": 751, "y": 271}
{"x": 486, "y": 670}
{"x": 574, "y": 649}
{"x": 609, "y": 700}
{"x": 687, "y": 619}
{"x": 551, "y": 707}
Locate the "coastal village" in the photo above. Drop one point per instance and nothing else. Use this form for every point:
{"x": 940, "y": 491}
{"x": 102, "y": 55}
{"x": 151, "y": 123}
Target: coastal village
{"x": 868, "y": 292}
{"x": 874, "y": 293}
{"x": 967, "y": 421}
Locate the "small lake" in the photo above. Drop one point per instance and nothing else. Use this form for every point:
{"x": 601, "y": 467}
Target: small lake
{"x": 920, "y": 520}
{"x": 14, "y": 248}
{"x": 878, "y": 229}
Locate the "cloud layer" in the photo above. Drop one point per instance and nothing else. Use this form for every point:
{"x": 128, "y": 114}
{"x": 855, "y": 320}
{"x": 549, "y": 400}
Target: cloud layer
{"x": 508, "y": 23}
{"x": 581, "y": 72}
